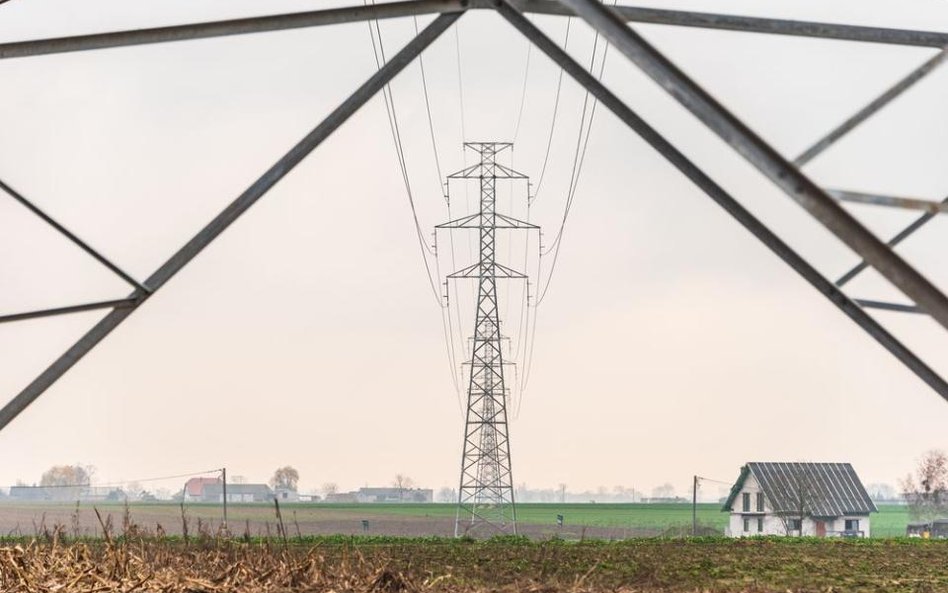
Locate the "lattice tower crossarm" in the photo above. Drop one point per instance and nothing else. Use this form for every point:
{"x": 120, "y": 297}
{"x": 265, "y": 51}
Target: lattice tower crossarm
{"x": 485, "y": 495}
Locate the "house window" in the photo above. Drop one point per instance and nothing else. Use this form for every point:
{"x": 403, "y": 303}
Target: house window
{"x": 852, "y": 524}
{"x": 760, "y": 502}
{"x": 746, "y": 503}
{"x": 747, "y": 524}
{"x": 795, "y": 524}
{"x": 760, "y": 524}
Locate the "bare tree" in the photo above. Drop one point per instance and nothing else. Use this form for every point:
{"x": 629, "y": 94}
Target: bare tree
{"x": 666, "y": 490}
{"x": 402, "y": 483}
{"x": 285, "y": 478}
{"x": 795, "y": 497}
{"x": 329, "y": 488}
{"x": 927, "y": 491}
{"x": 447, "y": 494}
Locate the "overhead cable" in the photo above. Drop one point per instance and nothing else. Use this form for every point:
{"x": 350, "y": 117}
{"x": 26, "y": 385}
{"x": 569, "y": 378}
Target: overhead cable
{"x": 579, "y": 158}
{"x": 125, "y": 482}
{"x": 434, "y": 144}
{"x": 378, "y": 51}
{"x": 556, "y": 106}
{"x": 523, "y": 93}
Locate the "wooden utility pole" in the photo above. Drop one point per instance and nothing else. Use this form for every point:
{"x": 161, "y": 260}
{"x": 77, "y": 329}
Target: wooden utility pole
{"x": 224, "y": 492}
{"x": 694, "y": 506}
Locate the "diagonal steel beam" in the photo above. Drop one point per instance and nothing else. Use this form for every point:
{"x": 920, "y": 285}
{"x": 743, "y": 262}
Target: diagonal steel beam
{"x": 113, "y": 304}
{"x": 887, "y": 306}
{"x": 315, "y": 18}
{"x": 260, "y": 24}
{"x": 71, "y": 236}
{"x": 869, "y": 110}
{"x": 728, "y": 22}
{"x": 230, "y": 214}
{"x": 765, "y": 158}
{"x": 898, "y": 238}
{"x": 859, "y": 197}
{"x": 726, "y": 201}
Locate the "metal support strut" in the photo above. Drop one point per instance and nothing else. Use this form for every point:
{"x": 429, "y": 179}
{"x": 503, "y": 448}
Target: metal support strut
{"x": 726, "y": 201}
{"x": 767, "y": 160}
{"x": 229, "y": 215}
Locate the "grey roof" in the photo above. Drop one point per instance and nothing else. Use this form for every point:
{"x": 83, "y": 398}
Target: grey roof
{"x": 824, "y": 489}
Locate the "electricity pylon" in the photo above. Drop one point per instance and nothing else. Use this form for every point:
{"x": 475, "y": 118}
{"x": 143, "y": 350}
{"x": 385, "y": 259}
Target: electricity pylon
{"x": 485, "y": 495}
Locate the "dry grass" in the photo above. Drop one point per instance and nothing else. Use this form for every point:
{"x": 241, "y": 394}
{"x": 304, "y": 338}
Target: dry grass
{"x": 219, "y": 565}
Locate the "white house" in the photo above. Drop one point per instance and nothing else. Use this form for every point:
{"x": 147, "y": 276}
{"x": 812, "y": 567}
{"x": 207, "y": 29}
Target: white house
{"x": 815, "y": 499}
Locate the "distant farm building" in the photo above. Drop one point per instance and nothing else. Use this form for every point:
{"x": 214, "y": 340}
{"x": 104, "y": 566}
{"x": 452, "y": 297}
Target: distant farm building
{"x": 46, "y": 493}
{"x": 238, "y": 493}
{"x": 395, "y": 495}
{"x": 386, "y": 495}
{"x": 815, "y": 499}
{"x": 212, "y": 490}
{"x": 286, "y": 495}
{"x": 342, "y": 497}
{"x": 70, "y": 494}
{"x": 194, "y": 488}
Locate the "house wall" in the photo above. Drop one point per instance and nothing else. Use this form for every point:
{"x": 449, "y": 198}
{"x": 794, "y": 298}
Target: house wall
{"x": 772, "y": 525}
{"x": 284, "y": 495}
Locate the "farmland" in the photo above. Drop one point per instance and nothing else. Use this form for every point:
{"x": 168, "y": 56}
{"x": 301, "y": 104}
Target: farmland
{"x": 407, "y": 548}
{"x": 391, "y": 565}
{"x": 581, "y": 521}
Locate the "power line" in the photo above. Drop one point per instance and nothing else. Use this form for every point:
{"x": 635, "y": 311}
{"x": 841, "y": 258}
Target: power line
{"x": 457, "y": 310}
{"x": 434, "y": 144}
{"x": 457, "y": 45}
{"x": 702, "y": 478}
{"x": 378, "y": 49}
{"x": 577, "y": 162}
{"x": 528, "y": 365}
{"x": 531, "y": 333}
{"x": 556, "y": 106}
{"x": 447, "y": 330}
{"x": 523, "y": 94}
{"x": 452, "y": 357}
{"x": 125, "y": 482}
{"x": 446, "y": 323}
{"x": 579, "y": 158}
{"x": 396, "y": 131}
{"x": 467, "y": 197}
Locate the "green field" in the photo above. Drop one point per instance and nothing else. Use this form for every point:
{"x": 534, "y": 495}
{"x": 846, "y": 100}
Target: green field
{"x": 890, "y": 521}
{"x": 609, "y": 521}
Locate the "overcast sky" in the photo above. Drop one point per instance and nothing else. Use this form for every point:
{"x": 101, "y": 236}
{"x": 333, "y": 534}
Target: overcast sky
{"x": 670, "y": 342}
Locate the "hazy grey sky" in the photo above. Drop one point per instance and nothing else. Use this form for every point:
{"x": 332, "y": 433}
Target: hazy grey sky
{"x": 670, "y": 343}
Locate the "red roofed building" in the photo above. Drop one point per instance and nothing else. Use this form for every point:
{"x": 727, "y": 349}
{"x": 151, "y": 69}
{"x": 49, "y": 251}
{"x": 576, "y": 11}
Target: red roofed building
{"x": 194, "y": 488}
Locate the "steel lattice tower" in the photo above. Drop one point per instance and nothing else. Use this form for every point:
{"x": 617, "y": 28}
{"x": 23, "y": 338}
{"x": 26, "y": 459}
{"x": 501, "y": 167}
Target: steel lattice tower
{"x": 485, "y": 496}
